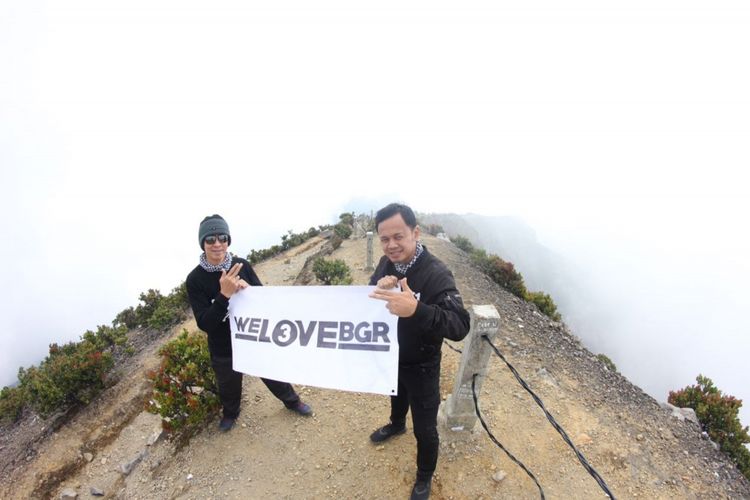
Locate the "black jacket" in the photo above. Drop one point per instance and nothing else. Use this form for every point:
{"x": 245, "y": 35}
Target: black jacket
{"x": 210, "y": 306}
{"x": 440, "y": 312}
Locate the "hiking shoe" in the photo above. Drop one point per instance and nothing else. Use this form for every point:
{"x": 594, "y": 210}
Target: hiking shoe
{"x": 226, "y": 424}
{"x": 421, "y": 490}
{"x": 303, "y": 409}
{"x": 387, "y": 432}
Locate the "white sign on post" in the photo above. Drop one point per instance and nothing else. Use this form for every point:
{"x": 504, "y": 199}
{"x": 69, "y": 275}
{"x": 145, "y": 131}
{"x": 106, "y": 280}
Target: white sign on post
{"x": 326, "y": 336}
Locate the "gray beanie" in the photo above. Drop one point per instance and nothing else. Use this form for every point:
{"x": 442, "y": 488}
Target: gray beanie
{"x": 213, "y": 224}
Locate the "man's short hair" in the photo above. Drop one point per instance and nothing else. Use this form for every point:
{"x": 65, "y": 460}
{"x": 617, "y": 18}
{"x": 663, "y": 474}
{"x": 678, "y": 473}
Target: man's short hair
{"x": 389, "y": 211}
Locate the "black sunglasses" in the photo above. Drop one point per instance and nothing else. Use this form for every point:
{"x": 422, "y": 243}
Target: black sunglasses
{"x": 223, "y": 238}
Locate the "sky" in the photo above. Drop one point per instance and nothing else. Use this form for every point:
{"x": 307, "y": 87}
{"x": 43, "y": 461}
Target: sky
{"x": 618, "y": 130}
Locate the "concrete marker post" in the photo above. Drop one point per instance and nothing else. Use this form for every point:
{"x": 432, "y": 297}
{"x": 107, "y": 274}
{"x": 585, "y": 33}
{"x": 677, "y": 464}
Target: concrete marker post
{"x": 457, "y": 411}
{"x": 369, "y": 252}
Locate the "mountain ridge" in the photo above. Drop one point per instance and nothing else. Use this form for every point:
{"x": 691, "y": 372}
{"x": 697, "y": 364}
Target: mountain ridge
{"x": 638, "y": 447}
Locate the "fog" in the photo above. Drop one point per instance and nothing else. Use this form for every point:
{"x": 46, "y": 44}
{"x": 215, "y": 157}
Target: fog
{"x": 617, "y": 134}
{"x": 667, "y": 300}
{"x": 664, "y": 309}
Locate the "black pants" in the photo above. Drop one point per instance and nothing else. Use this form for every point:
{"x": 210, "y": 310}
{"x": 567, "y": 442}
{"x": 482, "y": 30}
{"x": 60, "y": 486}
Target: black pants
{"x": 230, "y": 387}
{"x": 419, "y": 389}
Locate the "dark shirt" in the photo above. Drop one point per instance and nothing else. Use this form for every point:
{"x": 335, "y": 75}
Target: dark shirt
{"x": 210, "y": 306}
{"x": 440, "y": 310}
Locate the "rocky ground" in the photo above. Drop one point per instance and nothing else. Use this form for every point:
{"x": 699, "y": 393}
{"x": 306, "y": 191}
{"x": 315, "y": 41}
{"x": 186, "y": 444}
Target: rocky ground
{"x": 115, "y": 449}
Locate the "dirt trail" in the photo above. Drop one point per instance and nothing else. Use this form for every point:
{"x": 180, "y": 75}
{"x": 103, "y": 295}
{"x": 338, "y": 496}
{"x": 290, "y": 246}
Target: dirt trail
{"x": 639, "y": 449}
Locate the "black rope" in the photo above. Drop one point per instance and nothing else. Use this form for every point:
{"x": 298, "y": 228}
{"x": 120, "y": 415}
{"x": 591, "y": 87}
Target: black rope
{"x": 494, "y": 440}
{"x": 554, "y": 423}
{"x": 450, "y": 346}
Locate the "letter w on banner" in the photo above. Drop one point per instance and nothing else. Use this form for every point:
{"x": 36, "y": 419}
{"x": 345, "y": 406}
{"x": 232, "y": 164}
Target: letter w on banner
{"x": 327, "y": 336}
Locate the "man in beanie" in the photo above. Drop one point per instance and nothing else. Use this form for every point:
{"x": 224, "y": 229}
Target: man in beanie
{"x": 217, "y": 277}
{"x": 429, "y": 309}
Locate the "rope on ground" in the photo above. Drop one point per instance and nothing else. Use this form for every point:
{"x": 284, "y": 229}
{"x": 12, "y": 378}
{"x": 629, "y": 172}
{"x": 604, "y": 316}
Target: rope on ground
{"x": 494, "y": 440}
{"x": 552, "y": 421}
{"x": 451, "y": 347}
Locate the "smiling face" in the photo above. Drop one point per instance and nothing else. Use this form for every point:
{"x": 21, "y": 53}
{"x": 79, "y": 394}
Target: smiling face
{"x": 398, "y": 240}
{"x": 215, "y": 252}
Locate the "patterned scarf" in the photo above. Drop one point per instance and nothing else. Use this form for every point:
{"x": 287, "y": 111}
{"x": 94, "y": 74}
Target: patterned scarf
{"x": 224, "y": 266}
{"x": 402, "y": 268}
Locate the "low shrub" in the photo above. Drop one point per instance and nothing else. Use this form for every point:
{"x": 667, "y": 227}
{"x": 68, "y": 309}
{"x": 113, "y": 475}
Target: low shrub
{"x": 107, "y": 337}
{"x": 126, "y": 318}
{"x": 150, "y": 301}
{"x": 607, "y": 362}
{"x": 71, "y": 374}
{"x": 504, "y": 274}
{"x": 170, "y": 310}
{"x": 719, "y": 416}
{"x": 332, "y": 272}
{"x": 342, "y": 230}
{"x": 501, "y": 272}
{"x": 463, "y": 243}
{"x": 289, "y": 240}
{"x": 347, "y": 218}
{"x": 155, "y": 310}
{"x": 185, "y": 393}
{"x": 12, "y": 402}
{"x": 545, "y": 304}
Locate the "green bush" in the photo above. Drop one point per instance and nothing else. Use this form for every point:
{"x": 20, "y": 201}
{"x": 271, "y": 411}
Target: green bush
{"x": 719, "y": 417}
{"x": 256, "y": 256}
{"x": 607, "y": 362}
{"x": 179, "y": 296}
{"x": 74, "y": 373}
{"x": 155, "y": 310}
{"x": 501, "y": 272}
{"x": 126, "y": 318}
{"x": 545, "y": 304}
{"x": 150, "y": 301}
{"x": 164, "y": 316}
{"x": 332, "y": 272}
{"x": 107, "y": 337}
{"x": 12, "y": 402}
{"x": 347, "y": 218}
{"x": 342, "y": 230}
{"x": 184, "y": 393}
{"x": 463, "y": 243}
{"x": 71, "y": 374}
{"x": 504, "y": 274}
{"x": 289, "y": 240}
{"x": 170, "y": 310}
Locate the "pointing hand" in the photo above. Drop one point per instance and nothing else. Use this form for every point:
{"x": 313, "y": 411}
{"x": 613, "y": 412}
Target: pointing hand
{"x": 401, "y": 303}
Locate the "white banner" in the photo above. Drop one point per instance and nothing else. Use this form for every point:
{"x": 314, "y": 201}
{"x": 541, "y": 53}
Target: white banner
{"x": 327, "y": 336}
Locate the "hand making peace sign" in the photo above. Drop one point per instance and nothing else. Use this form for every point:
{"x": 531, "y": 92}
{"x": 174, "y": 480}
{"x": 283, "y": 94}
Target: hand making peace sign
{"x": 230, "y": 282}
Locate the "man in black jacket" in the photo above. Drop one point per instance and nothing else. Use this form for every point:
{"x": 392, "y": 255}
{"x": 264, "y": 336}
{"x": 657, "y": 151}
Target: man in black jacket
{"x": 217, "y": 277}
{"x": 430, "y": 309}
